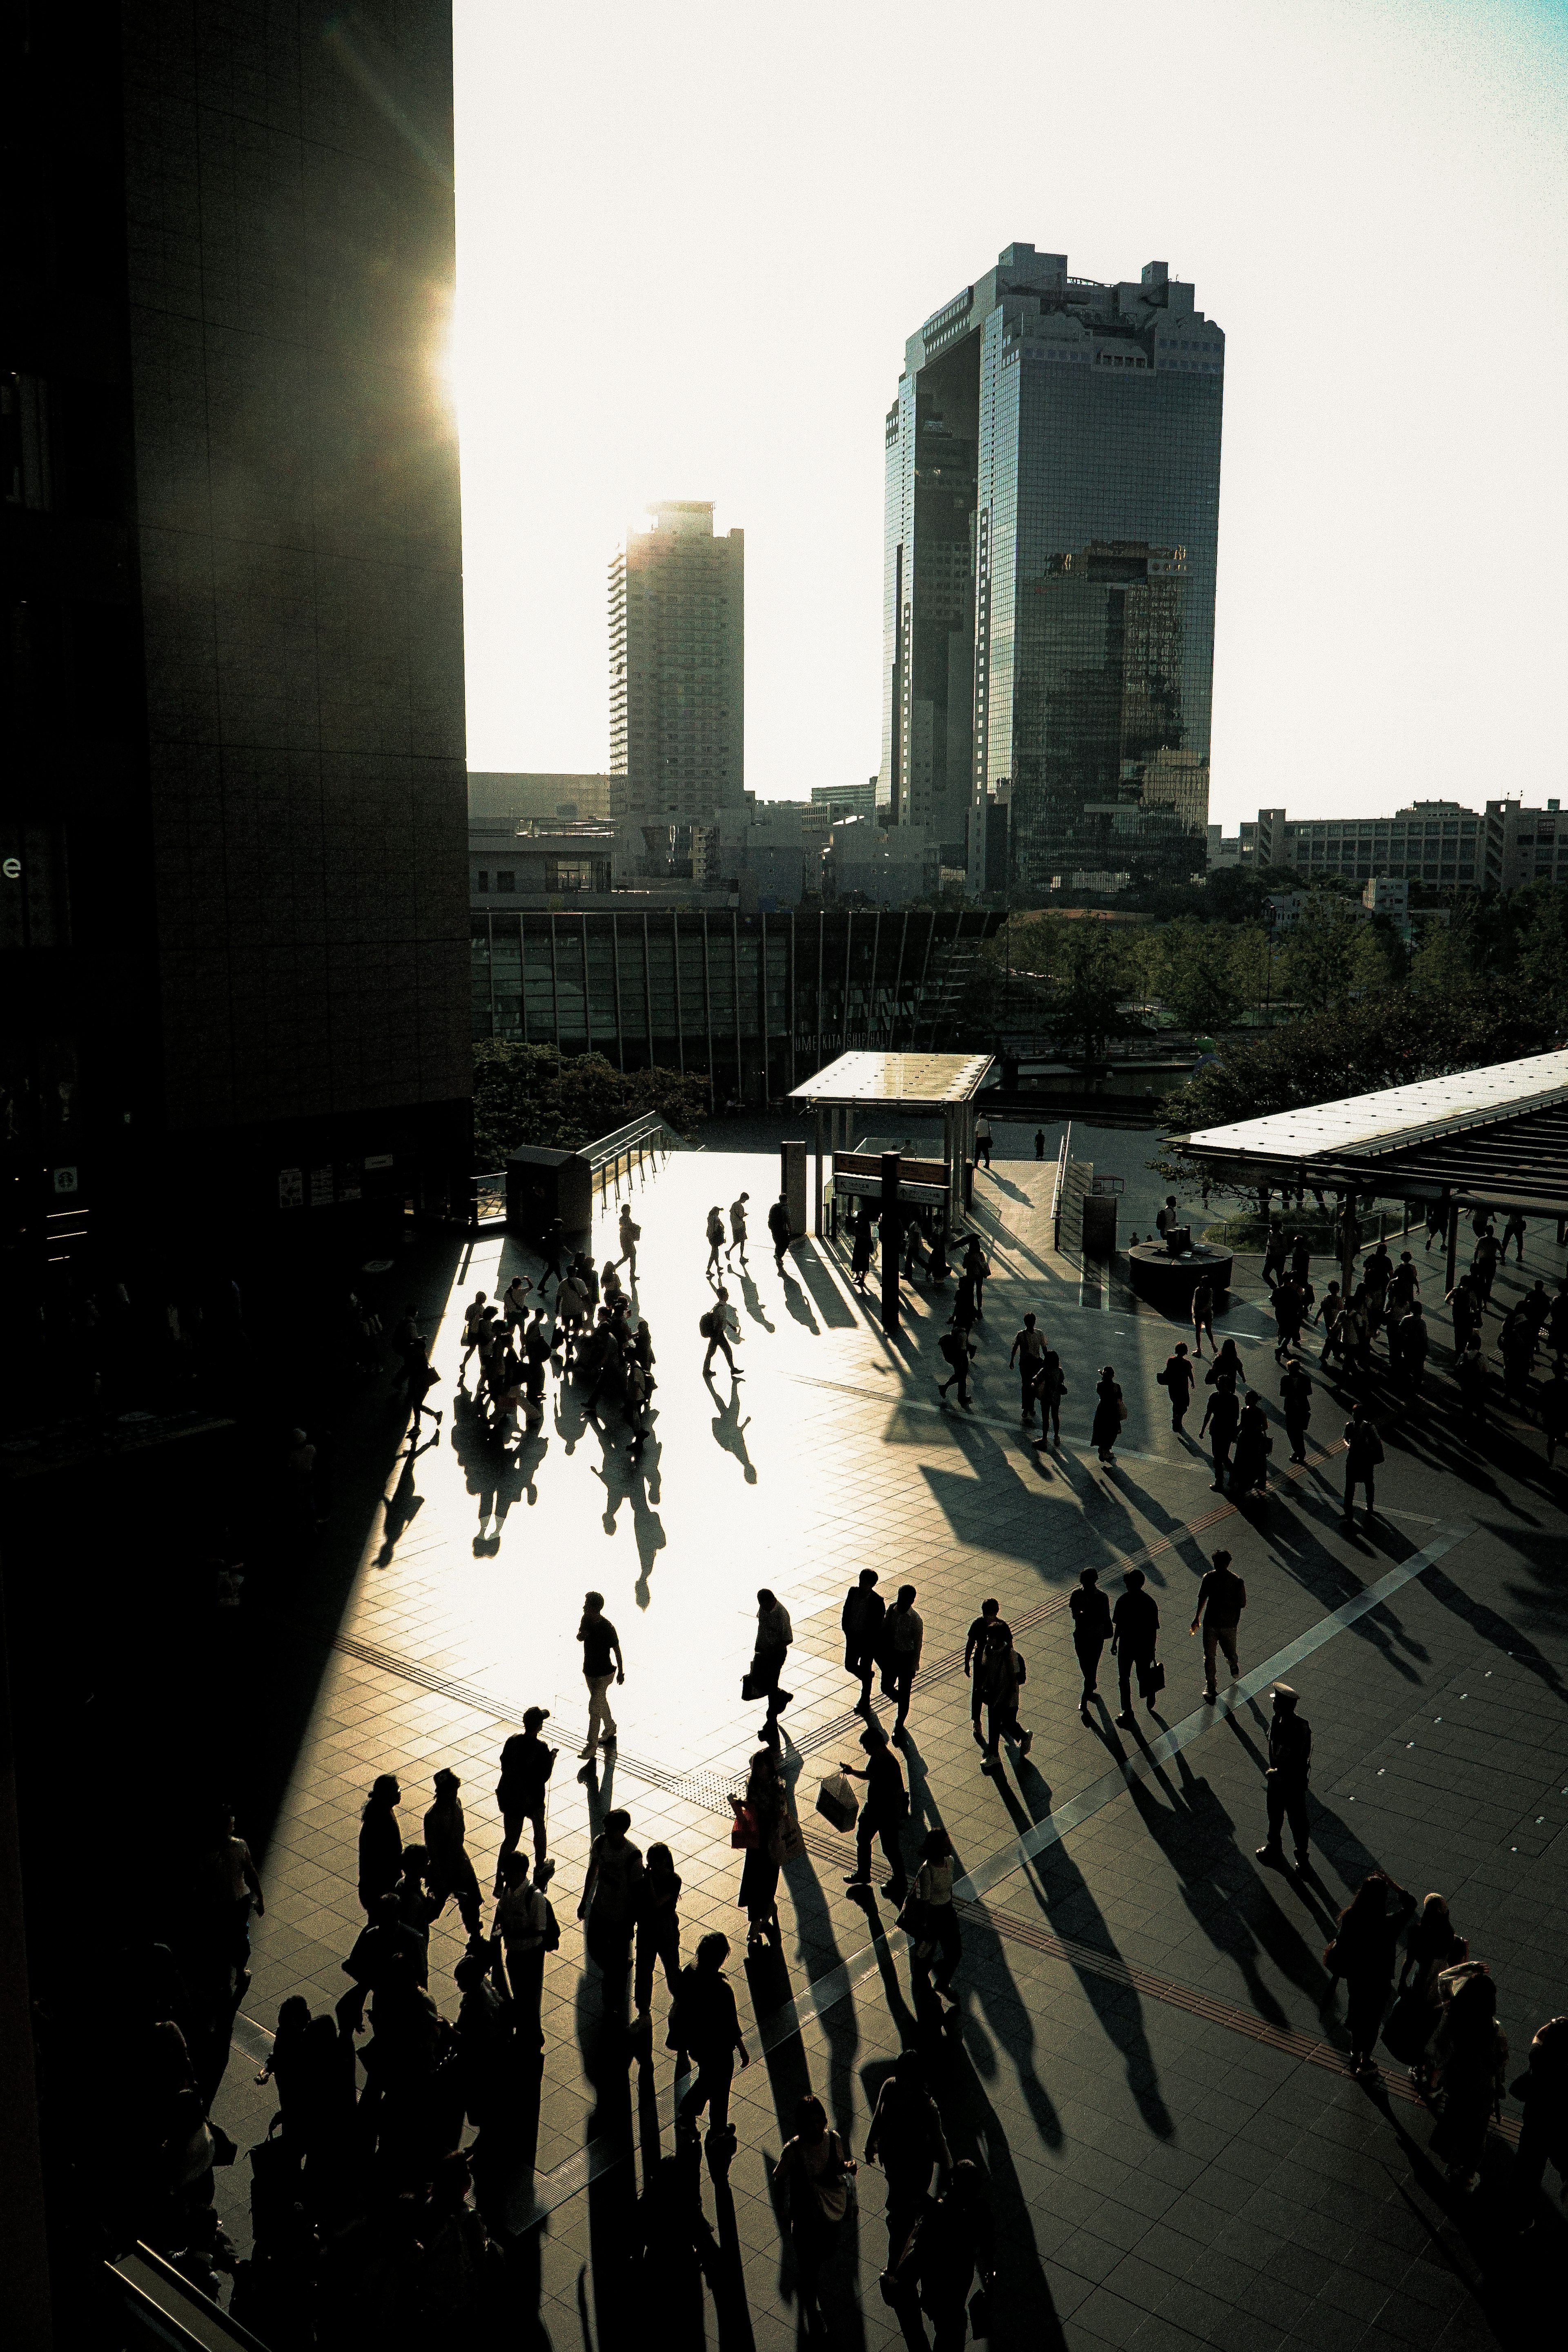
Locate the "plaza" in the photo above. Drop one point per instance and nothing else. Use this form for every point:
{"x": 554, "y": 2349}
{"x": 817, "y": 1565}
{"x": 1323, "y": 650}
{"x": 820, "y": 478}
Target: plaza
{"x": 1152, "y": 2067}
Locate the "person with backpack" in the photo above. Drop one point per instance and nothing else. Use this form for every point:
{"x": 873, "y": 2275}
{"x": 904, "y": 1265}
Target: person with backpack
{"x": 1001, "y": 1676}
{"x": 707, "y": 2027}
{"x": 715, "y": 1327}
{"x": 1363, "y": 1451}
{"x": 629, "y": 1236}
{"x": 1222, "y": 1597}
{"x": 1091, "y": 1629}
{"x": 527, "y": 1928}
{"x": 974, "y": 1648}
{"x": 956, "y": 1349}
{"x": 814, "y": 2172}
{"x": 526, "y": 1765}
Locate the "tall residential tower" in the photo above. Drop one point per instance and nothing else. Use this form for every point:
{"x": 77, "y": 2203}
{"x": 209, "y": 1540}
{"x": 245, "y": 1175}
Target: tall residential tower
{"x": 1052, "y": 520}
{"x": 678, "y": 668}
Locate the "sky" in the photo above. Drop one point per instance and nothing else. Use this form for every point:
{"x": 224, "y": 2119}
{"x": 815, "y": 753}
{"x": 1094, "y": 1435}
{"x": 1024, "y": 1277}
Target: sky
{"x": 693, "y": 238}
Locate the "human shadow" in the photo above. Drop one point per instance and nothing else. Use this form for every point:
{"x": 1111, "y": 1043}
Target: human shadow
{"x": 799, "y": 1305}
{"x": 402, "y": 1506}
{"x": 637, "y": 1483}
{"x": 729, "y": 1434}
{"x": 753, "y": 1302}
{"x": 831, "y": 1305}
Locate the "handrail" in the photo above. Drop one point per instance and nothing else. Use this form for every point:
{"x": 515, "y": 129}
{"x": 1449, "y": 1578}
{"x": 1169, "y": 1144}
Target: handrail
{"x": 166, "y": 2309}
{"x": 1061, "y": 1179}
{"x": 649, "y": 1129}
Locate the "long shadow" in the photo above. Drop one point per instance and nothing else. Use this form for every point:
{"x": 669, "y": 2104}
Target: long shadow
{"x": 1025, "y": 2309}
{"x": 624, "y": 1480}
{"x": 402, "y": 1506}
{"x": 729, "y": 1433}
{"x": 799, "y": 1304}
{"x": 752, "y": 1299}
{"x": 829, "y": 1300}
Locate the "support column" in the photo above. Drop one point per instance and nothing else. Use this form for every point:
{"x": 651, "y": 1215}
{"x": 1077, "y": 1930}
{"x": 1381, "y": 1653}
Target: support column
{"x": 892, "y": 1254}
{"x": 817, "y": 1221}
{"x": 1453, "y": 1242}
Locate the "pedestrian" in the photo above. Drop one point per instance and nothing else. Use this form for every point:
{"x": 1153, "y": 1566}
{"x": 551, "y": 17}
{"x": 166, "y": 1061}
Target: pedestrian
{"x": 1134, "y": 1639}
{"x": 473, "y": 1324}
{"x": 422, "y": 1378}
{"x": 775, "y": 1634}
{"x": 860, "y": 1621}
{"x": 1168, "y": 1217}
{"x": 526, "y": 1765}
{"x": 903, "y": 1633}
{"x": 758, "y": 1825}
{"x": 1553, "y": 1413}
{"x": 1039, "y": 1143}
{"x": 451, "y": 1872}
{"x": 906, "y": 2138}
{"x": 556, "y": 1255}
{"x": 524, "y": 1923}
{"x": 1363, "y": 1955}
{"x": 1544, "y": 2135}
{"x": 813, "y": 2174}
{"x": 1485, "y": 1265}
{"x": 1203, "y": 1313}
{"x": 1514, "y": 1232}
{"x": 1430, "y": 1947}
{"x": 937, "y": 1270}
{"x": 781, "y": 1229}
{"x": 232, "y": 1885}
{"x": 957, "y": 1349}
{"x": 881, "y": 1815}
{"x": 708, "y": 2029}
{"x": 1110, "y": 1413}
{"x": 1407, "y": 1345}
{"x": 1177, "y": 1381}
{"x": 1276, "y": 1250}
{"x": 738, "y": 1227}
{"x": 1091, "y": 1629}
{"x": 715, "y": 1237}
{"x": 602, "y": 1664}
{"x": 975, "y": 1643}
{"x": 949, "y": 2243}
{"x": 1222, "y": 1419}
{"x": 1002, "y": 1677}
{"x": 1289, "y": 1765}
{"x": 1363, "y": 1451}
{"x": 380, "y": 1841}
{"x": 629, "y": 1234}
{"x": 1469, "y": 2067}
{"x": 408, "y": 1342}
{"x": 659, "y": 1928}
{"x": 1029, "y": 1347}
{"x": 938, "y": 1943}
{"x": 611, "y": 1892}
{"x": 1295, "y": 1404}
{"x": 514, "y": 1301}
{"x": 1052, "y": 1387}
{"x": 1290, "y": 1309}
{"x": 1222, "y": 1597}
{"x": 982, "y": 1140}
{"x": 863, "y": 1245}
{"x": 1249, "y": 1471}
{"x": 977, "y": 1267}
{"x": 715, "y": 1327}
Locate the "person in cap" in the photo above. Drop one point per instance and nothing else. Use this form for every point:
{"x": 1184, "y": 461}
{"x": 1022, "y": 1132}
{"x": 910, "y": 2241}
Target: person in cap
{"x": 451, "y": 1872}
{"x": 1290, "y": 1763}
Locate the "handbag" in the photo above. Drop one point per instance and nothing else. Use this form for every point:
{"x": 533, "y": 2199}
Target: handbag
{"x": 753, "y": 1684}
{"x": 1156, "y": 1682}
{"x": 838, "y": 1803}
{"x": 911, "y": 1916}
{"x": 791, "y": 1837}
{"x": 1121, "y": 1408}
{"x": 743, "y": 1828}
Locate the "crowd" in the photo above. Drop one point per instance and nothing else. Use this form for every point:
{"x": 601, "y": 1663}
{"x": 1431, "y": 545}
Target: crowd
{"x": 363, "y": 2193}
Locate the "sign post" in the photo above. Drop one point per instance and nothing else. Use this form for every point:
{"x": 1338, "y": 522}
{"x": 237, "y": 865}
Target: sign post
{"x": 892, "y": 1252}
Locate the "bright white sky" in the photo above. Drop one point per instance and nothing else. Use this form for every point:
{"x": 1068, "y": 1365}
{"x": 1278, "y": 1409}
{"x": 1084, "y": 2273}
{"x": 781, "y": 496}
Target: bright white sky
{"x": 693, "y": 238}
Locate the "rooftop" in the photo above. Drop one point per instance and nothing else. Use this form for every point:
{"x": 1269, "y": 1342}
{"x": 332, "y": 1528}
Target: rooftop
{"x": 914, "y": 1081}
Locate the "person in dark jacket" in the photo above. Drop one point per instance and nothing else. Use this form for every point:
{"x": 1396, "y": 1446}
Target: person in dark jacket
{"x": 861, "y": 1623}
{"x": 1363, "y": 1955}
{"x": 1090, "y": 1631}
{"x": 1363, "y": 1451}
{"x": 974, "y": 1643}
{"x": 380, "y": 1841}
{"x": 1135, "y": 1635}
{"x": 1220, "y": 1422}
{"x": 1249, "y": 1470}
{"x": 1543, "y": 2136}
{"x": 950, "y": 2242}
{"x": 1108, "y": 1413}
{"x": 1177, "y": 1379}
{"x": 1296, "y": 1403}
{"x": 907, "y": 2140}
{"x": 1290, "y": 1763}
{"x": 1222, "y": 1597}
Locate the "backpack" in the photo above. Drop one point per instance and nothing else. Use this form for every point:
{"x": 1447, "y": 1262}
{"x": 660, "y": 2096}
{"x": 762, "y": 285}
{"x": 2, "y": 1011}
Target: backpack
{"x": 705, "y": 1325}
{"x": 951, "y": 1346}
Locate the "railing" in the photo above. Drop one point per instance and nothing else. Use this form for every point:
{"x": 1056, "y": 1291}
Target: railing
{"x": 644, "y": 1138}
{"x": 489, "y": 1199}
{"x": 1061, "y": 1183}
{"x": 155, "y": 2306}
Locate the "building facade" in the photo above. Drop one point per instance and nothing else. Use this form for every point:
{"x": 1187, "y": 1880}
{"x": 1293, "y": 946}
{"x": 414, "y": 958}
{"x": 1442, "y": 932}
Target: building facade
{"x": 1052, "y": 435}
{"x": 234, "y": 940}
{"x": 677, "y": 669}
{"x": 1496, "y": 847}
{"x": 500, "y": 797}
{"x": 754, "y": 1001}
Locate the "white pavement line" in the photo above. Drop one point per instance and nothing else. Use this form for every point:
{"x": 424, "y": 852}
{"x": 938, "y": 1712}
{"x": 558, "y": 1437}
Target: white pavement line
{"x": 1146, "y": 1762}
{"x": 827, "y": 1990}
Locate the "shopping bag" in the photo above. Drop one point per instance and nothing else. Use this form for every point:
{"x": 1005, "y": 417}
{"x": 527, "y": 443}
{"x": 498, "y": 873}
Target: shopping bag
{"x": 838, "y": 1803}
{"x": 743, "y": 1828}
{"x": 789, "y": 1839}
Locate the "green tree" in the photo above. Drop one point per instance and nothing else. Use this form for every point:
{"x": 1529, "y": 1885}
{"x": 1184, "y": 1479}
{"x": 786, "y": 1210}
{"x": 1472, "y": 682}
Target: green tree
{"x": 529, "y": 1095}
{"x": 1441, "y": 964}
{"x": 1253, "y": 974}
{"x": 1199, "y": 985}
{"x": 1321, "y": 956}
{"x": 1542, "y": 951}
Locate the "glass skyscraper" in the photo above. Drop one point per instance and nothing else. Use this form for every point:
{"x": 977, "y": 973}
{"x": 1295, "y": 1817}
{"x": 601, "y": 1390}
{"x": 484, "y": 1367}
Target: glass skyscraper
{"x": 1052, "y": 519}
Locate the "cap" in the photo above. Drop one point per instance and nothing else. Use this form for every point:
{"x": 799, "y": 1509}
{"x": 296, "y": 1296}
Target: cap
{"x": 1284, "y": 1691}
{"x": 536, "y": 1714}
{"x": 447, "y": 1779}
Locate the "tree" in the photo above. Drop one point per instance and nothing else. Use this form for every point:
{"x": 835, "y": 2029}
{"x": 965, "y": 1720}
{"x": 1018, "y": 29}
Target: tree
{"x": 1441, "y": 963}
{"x": 1199, "y": 984}
{"x": 1542, "y": 957}
{"x": 1252, "y": 967}
{"x": 1321, "y": 956}
{"x": 530, "y": 1095}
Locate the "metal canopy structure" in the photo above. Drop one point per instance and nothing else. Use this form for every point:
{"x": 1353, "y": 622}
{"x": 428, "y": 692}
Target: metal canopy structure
{"x": 1494, "y": 1137}
{"x": 928, "y": 1086}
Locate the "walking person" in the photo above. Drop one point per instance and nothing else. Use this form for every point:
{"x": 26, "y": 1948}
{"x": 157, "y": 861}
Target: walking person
{"x": 1134, "y": 1639}
{"x": 1002, "y": 1677}
{"x": 1177, "y": 1381}
{"x": 738, "y": 1227}
{"x": 1543, "y": 2136}
{"x": 524, "y": 1924}
{"x": 451, "y": 1874}
{"x": 1430, "y": 1947}
{"x": 422, "y": 1378}
{"x": 759, "y": 1820}
{"x": 715, "y": 1238}
{"x": 814, "y": 2173}
{"x": 1290, "y": 1312}
{"x": 1039, "y": 1143}
{"x": 903, "y": 1633}
{"x": 1289, "y": 1767}
{"x": 1469, "y": 2068}
{"x": 938, "y": 1945}
{"x": 380, "y": 1841}
{"x": 957, "y": 1349}
{"x": 602, "y": 1665}
{"x": 1363, "y": 1451}
{"x": 975, "y": 1643}
{"x": 862, "y": 1247}
{"x": 657, "y": 1928}
{"x": 977, "y": 1267}
{"x": 1295, "y": 1404}
{"x": 1249, "y": 1471}
{"x": 906, "y": 2138}
{"x": 1052, "y": 1387}
{"x": 1029, "y": 1347}
{"x": 881, "y": 1816}
{"x": 1222, "y": 1597}
{"x": 1110, "y": 1413}
{"x": 526, "y": 1765}
{"x": 1514, "y": 1232}
{"x": 629, "y": 1234}
{"x": 781, "y": 1230}
{"x": 708, "y": 2029}
{"x": 1091, "y": 1629}
{"x": 1276, "y": 1250}
{"x": 1221, "y": 1420}
{"x": 860, "y": 1621}
{"x": 473, "y": 1324}
{"x": 716, "y": 1327}
{"x": 1362, "y": 1954}
{"x": 775, "y": 1634}
{"x": 611, "y": 1893}
{"x": 514, "y": 1301}
{"x": 1203, "y": 1313}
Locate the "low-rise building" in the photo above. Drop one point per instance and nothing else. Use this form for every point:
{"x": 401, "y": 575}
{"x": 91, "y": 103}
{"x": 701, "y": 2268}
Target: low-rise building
{"x": 1442, "y": 842}
{"x": 888, "y": 864}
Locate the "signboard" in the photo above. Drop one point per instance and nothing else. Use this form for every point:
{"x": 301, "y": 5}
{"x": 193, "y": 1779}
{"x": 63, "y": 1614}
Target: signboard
{"x": 65, "y": 1179}
{"x": 869, "y": 1188}
{"x": 290, "y": 1188}
{"x": 320, "y": 1188}
{"x": 868, "y": 1163}
{"x": 378, "y": 1159}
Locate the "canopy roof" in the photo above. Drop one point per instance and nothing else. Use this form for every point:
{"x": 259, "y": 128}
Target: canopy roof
{"x": 1498, "y": 1135}
{"x": 910, "y": 1081}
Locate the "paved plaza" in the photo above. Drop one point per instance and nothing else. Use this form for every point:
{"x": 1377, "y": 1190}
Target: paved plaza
{"x": 1151, "y": 2066}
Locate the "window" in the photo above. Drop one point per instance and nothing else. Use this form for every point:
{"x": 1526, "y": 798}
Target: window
{"x": 481, "y": 880}
{"x": 505, "y": 880}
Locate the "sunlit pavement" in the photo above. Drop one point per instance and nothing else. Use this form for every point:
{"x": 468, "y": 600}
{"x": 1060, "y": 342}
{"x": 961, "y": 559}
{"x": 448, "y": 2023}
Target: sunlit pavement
{"x": 1160, "y": 2172}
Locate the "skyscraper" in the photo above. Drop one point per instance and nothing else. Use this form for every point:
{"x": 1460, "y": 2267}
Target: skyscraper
{"x": 678, "y": 668}
{"x": 1052, "y": 520}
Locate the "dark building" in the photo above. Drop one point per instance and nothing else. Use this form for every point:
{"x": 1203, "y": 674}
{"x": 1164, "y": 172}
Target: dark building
{"x": 755, "y": 1002}
{"x": 1043, "y": 424}
{"x": 233, "y": 829}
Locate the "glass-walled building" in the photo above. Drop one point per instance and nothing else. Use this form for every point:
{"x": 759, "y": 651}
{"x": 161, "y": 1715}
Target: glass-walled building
{"x": 755, "y": 1002}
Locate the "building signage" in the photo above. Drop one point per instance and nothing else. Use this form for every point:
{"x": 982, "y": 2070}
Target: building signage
{"x": 869, "y": 1188}
{"x": 290, "y": 1188}
{"x": 65, "y": 1179}
{"x": 320, "y": 1188}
